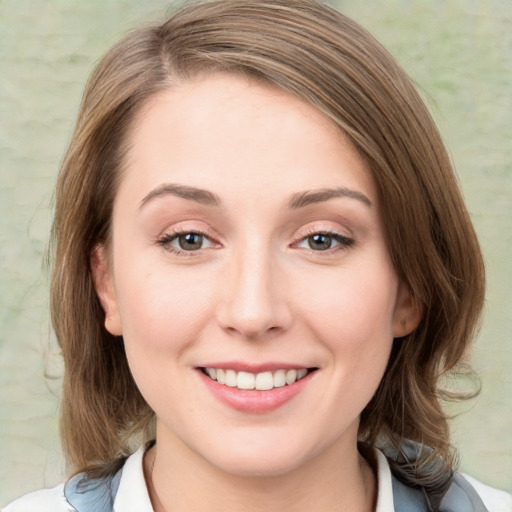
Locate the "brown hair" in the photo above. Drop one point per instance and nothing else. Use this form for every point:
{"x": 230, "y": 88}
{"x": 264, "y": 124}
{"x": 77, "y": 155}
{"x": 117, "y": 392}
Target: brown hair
{"x": 315, "y": 53}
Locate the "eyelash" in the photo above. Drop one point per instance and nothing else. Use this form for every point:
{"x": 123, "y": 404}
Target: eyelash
{"x": 166, "y": 240}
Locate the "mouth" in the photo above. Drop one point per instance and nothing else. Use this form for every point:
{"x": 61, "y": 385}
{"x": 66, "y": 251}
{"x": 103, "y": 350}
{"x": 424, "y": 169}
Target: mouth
{"x": 262, "y": 381}
{"x": 262, "y": 390}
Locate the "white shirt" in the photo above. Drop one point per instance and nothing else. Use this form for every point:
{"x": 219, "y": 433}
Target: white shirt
{"x": 132, "y": 495}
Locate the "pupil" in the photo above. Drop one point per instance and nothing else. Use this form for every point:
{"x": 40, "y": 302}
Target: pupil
{"x": 191, "y": 241}
{"x": 320, "y": 242}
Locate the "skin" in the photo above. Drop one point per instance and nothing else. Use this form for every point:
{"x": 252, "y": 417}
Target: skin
{"x": 255, "y": 291}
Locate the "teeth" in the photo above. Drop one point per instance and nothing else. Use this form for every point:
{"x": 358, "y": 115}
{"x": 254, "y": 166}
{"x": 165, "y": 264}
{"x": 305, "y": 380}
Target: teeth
{"x": 221, "y": 376}
{"x": 245, "y": 380}
{"x": 231, "y": 379}
{"x": 264, "y": 381}
{"x": 279, "y": 378}
{"x": 291, "y": 376}
{"x": 261, "y": 381}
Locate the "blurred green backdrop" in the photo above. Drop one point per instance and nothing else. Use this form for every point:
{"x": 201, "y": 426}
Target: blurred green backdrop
{"x": 459, "y": 52}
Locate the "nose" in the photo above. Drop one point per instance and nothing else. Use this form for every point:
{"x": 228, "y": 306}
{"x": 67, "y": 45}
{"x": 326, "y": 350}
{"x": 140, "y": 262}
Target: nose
{"x": 254, "y": 301}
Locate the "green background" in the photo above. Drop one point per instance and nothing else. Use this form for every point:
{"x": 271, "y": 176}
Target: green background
{"x": 459, "y": 52}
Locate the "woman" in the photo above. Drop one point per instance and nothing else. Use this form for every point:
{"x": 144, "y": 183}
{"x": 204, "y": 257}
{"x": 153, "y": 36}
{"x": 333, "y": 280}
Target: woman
{"x": 263, "y": 266}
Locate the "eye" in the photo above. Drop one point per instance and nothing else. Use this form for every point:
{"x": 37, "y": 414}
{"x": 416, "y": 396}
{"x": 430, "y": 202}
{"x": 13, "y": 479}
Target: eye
{"x": 325, "y": 241}
{"x": 190, "y": 241}
{"x": 181, "y": 242}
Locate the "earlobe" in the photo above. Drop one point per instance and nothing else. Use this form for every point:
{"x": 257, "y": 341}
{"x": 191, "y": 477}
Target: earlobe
{"x": 408, "y": 312}
{"x": 104, "y": 286}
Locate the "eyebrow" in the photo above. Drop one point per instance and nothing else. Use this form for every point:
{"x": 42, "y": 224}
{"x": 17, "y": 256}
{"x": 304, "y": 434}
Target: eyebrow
{"x": 198, "y": 195}
{"x": 296, "y": 201}
{"x": 302, "y": 199}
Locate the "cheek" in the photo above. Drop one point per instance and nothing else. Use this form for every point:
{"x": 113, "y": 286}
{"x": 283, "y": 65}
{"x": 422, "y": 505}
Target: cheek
{"x": 353, "y": 306}
{"x": 162, "y": 310}
{"x": 351, "y": 313}
{"x": 354, "y": 322}
{"x": 162, "y": 316}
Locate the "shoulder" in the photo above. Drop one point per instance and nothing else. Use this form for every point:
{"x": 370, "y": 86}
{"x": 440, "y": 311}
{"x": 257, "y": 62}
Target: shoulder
{"x": 125, "y": 491}
{"x": 465, "y": 494}
{"x": 495, "y": 500}
{"x": 45, "y": 500}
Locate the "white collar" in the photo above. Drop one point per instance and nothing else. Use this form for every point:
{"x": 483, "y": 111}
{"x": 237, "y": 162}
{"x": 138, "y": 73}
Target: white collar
{"x": 384, "y": 483}
{"x": 133, "y": 495}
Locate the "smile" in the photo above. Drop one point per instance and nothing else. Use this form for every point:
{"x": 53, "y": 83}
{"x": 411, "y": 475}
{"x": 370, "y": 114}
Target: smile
{"x": 263, "y": 381}
{"x": 256, "y": 388}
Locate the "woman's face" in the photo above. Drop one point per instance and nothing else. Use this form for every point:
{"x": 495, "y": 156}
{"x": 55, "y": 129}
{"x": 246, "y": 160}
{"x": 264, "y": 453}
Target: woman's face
{"x": 247, "y": 244}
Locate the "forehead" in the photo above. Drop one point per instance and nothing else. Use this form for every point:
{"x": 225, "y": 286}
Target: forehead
{"x": 231, "y": 132}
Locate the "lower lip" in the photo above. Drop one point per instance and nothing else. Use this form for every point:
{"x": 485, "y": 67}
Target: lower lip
{"x": 254, "y": 401}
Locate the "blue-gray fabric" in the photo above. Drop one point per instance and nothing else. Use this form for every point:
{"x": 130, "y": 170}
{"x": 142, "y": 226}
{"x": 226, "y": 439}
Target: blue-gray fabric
{"x": 92, "y": 495}
{"x": 460, "y": 497}
{"x": 98, "y": 495}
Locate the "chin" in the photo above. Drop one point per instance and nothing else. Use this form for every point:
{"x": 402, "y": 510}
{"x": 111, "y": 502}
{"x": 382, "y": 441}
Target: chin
{"x": 258, "y": 466}
{"x": 260, "y": 460}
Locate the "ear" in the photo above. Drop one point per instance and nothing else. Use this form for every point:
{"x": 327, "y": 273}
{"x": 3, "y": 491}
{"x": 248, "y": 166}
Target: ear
{"x": 408, "y": 312}
{"x": 104, "y": 286}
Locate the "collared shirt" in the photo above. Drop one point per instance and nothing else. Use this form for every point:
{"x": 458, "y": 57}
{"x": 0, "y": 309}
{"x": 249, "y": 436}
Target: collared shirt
{"x": 133, "y": 496}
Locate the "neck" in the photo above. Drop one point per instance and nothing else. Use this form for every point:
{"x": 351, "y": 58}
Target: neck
{"x": 338, "y": 480}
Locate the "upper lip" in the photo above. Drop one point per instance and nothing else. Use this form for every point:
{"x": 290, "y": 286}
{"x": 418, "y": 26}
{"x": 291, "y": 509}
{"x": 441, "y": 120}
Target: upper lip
{"x": 240, "y": 366}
